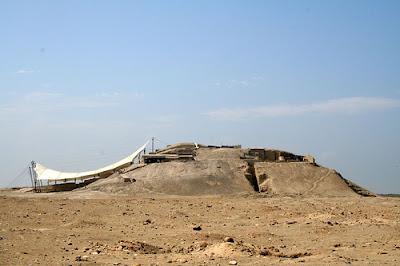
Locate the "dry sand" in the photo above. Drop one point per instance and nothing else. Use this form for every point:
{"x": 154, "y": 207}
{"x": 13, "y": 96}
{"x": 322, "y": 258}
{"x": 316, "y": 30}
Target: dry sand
{"x": 89, "y": 227}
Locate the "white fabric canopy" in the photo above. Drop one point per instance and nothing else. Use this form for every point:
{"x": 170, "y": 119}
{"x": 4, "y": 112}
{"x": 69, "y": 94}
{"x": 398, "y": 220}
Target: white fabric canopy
{"x": 44, "y": 173}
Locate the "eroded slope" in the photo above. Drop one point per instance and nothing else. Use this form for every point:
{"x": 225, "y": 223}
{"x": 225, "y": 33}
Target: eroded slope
{"x": 228, "y": 171}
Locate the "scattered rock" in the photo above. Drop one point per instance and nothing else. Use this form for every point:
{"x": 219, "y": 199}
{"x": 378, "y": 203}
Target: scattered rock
{"x": 265, "y": 252}
{"x": 82, "y": 258}
{"x": 139, "y": 247}
{"x": 229, "y": 239}
{"x": 146, "y": 222}
{"x": 291, "y": 222}
{"x": 203, "y": 244}
{"x": 197, "y": 228}
{"x": 233, "y": 262}
{"x": 295, "y": 255}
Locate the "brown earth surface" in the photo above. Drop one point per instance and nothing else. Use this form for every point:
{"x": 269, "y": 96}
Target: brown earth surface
{"x": 224, "y": 171}
{"x": 90, "y": 227}
{"x": 218, "y": 209}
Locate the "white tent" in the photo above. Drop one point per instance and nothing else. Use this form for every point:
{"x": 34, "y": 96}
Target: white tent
{"x": 44, "y": 173}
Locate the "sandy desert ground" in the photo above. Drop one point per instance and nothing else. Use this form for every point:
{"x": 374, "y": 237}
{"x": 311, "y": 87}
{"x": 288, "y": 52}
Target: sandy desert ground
{"x": 91, "y": 227}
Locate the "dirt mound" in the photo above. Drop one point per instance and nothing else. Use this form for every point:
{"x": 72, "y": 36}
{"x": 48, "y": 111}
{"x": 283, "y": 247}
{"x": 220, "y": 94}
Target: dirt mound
{"x": 300, "y": 178}
{"x": 182, "y": 178}
{"x": 217, "y": 170}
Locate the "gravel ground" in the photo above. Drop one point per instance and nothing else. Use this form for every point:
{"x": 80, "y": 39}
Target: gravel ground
{"x": 89, "y": 227}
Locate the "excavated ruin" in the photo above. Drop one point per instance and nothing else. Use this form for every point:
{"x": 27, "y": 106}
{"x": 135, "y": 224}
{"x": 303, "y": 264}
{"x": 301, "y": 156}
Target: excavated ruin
{"x": 191, "y": 169}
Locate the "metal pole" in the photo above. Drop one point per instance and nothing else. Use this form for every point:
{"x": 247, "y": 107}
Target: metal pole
{"x": 31, "y": 175}
{"x": 33, "y": 164}
{"x": 152, "y": 144}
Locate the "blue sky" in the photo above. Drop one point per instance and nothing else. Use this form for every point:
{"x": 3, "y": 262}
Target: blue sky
{"x": 84, "y": 83}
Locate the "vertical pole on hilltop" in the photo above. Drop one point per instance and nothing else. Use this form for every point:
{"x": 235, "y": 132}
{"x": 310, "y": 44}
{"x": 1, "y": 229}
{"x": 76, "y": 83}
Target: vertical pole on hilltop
{"x": 33, "y": 175}
{"x": 152, "y": 144}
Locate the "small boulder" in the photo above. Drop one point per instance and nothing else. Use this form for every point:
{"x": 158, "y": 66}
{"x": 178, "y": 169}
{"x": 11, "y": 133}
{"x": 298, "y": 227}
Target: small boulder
{"x": 265, "y": 252}
{"x": 229, "y": 239}
{"x": 197, "y": 228}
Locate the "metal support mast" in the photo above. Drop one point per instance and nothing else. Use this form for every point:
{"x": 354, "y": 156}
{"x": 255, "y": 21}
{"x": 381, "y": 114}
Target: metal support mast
{"x": 33, "y": 175}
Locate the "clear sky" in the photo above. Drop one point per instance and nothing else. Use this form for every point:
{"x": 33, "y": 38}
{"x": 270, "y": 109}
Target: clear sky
{"x": 84, "y": 83}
